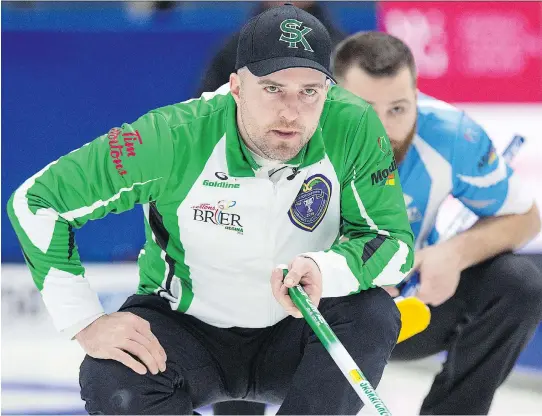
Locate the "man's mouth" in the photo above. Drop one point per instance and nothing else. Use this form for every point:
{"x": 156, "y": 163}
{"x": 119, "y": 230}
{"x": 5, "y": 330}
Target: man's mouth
{"x": 285, "y": 134}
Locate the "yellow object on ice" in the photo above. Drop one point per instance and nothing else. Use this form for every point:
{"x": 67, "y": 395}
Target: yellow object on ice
{"x": 415, "y": 317}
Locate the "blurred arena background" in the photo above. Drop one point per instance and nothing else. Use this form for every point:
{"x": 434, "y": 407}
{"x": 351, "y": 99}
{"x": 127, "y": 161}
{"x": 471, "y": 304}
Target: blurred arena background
{"x": 72, "y": 70}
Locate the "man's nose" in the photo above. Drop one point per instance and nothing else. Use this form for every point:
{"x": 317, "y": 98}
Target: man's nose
{"x": 290, "y": 108}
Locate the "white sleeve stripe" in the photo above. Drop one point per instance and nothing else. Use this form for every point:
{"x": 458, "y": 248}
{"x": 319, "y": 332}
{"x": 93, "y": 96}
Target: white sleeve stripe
{"x": 391, "y": 274}
{"x": 81, "y": 212}
{"x": 69, "y": 298}
{"x": 363, "y": 212}
{"x": 440, "y": 174}
{"x": 493, "y": 178}
{"x": 38, "y": 227}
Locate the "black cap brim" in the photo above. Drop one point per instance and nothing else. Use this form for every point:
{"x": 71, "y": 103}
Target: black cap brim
{"x": 268, "y": 66}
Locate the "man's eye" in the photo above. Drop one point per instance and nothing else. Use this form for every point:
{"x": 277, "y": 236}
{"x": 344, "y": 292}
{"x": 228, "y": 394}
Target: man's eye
{"x": 272, "y": 89}
{"x": 397, "y": 110}
{"x": 309, "y": 91}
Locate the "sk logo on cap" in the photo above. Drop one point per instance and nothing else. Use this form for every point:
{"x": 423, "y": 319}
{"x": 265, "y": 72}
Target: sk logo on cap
{"x": 291, "y": 27}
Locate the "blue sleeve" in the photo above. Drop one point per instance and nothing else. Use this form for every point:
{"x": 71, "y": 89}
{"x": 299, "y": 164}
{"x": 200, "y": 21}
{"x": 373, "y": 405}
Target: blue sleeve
{"x": 481, "y": 178}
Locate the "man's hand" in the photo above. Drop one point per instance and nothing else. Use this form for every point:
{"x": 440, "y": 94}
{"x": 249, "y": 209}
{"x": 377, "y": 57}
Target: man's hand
{"x": 439, "y": 273}
{"x": 304, "y": 271}
{"x": 114, "y": 336}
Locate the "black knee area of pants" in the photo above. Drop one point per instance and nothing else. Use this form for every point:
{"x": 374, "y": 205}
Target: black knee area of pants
{"x": 103, "y": 390}
{"x": 109, "y": 387}
{"x": 384, "y": 314}
{"x": 371, "y": 314}
{"x": 98, "y": 389}
{"x": 518, "y": 282}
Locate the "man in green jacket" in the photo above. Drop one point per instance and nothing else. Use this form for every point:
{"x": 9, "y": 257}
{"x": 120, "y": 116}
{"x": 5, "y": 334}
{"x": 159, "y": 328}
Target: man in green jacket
{"x": 268, "y": 170}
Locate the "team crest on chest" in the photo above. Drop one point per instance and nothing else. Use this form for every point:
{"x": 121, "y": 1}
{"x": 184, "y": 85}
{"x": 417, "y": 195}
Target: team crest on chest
{"x": 310, "y": 205}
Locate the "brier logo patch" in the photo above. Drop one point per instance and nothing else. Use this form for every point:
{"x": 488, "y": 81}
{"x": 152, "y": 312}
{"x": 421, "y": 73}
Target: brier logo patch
{"x": 310, "y": 205}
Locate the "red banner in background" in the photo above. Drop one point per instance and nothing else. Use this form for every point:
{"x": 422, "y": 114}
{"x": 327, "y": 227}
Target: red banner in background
{"x": 472, "y": 51}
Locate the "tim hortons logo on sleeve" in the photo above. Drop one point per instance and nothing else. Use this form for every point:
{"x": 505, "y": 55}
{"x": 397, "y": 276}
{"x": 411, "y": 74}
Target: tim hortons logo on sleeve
{"x": 117, "y": 148}
{"x": 130, "y": 139}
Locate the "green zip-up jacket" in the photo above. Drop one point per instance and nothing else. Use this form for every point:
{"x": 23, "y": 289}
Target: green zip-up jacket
{"x": 215, "y": 224}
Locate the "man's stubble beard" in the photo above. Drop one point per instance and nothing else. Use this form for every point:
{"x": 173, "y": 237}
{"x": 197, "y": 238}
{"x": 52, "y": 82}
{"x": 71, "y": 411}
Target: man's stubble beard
{"x": 400, "y": 150}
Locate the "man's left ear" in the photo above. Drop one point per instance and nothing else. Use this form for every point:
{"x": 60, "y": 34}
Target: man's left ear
{"x": 235, "y": 85}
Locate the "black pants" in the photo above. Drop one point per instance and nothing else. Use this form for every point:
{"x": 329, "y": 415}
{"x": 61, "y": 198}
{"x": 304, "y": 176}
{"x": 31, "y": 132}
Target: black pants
{"x": 283, "y": 364}
{"x": 483, "y": 329}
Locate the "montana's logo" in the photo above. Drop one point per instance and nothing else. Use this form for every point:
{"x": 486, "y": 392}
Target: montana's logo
{"x": 291, "y": 28}
{"x": 384, "y": 177}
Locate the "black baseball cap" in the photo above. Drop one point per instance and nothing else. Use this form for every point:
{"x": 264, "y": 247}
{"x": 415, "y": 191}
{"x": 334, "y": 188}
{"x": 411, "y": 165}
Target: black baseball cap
{"x": 284, "y": 37}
